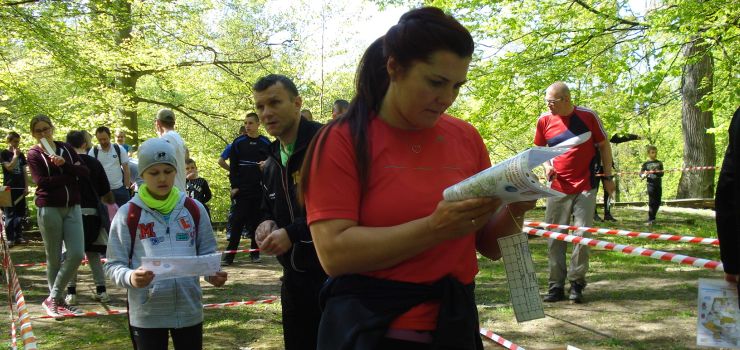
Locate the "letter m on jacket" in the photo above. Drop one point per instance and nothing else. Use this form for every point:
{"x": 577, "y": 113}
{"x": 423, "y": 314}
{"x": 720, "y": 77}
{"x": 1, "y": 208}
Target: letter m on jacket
{"x": 146, "y": 230}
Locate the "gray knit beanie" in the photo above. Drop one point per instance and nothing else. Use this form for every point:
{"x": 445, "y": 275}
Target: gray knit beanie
{"x": 156, "y": 151}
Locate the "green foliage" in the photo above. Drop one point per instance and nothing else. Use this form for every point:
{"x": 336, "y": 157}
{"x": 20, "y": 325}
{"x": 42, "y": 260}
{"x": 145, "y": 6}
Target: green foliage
{"x": 623, "y": 62}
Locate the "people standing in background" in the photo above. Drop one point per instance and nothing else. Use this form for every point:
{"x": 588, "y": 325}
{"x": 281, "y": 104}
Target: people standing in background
{"x": 198, "y": 188}
{"x": 226, "y": 153}
{"x": 55, "y": 167}
{"x": 338, "y": 108}
{"x": 115, "y": 162}
{"x": 652, "y": 171}
{"x": 94, "y": 188}
{"x": 164, "y": 125}
{"x": 247, "y": 154}
{"x": 121, "y": 141}
{"x": 727, "y": 202}
{"x": 579, "y": 128}
{"x": 14, "y": 176}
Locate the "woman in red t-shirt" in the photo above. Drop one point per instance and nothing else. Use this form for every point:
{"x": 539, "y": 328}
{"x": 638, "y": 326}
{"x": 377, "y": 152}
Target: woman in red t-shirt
{"x": 403, "y": 260}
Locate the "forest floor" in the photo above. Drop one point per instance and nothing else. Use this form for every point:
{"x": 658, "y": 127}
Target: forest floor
{"x": 631, "y": 302}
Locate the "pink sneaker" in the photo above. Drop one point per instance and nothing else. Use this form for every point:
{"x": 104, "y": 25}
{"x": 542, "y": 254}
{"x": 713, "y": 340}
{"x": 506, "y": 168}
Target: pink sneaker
{"x": 67, "y": 309}
{"x": 52, "y": 307}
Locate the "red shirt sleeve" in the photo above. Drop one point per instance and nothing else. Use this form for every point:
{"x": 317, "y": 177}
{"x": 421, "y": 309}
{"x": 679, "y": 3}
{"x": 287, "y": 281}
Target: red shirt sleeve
{"x": 539, "y": 135}
{"x": 334, "y": 189}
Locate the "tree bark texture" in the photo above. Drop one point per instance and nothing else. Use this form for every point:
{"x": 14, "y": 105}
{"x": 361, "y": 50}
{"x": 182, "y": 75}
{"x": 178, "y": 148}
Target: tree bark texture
{"x": 699, "y": 148}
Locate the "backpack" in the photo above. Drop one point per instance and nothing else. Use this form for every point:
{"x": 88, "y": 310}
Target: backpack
{"x": 118, "y": 152}
{"x": 134, "y": 214}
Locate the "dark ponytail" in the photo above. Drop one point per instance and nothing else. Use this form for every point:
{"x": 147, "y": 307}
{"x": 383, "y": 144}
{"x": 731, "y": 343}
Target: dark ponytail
{"x": 418, "y": 34}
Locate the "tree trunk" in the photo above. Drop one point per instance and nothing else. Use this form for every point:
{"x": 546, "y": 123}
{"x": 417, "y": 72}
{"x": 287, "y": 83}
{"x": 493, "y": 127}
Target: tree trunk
{"x": 127, "y": 83}
{"x": 699, "y": 148}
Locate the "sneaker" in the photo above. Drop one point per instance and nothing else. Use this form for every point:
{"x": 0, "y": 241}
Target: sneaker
{"x": 256, "y": 259}
{"x": 21, "y": 240}
{"x": 71, "y": 299}
{"x": 576, "y": 292}
{"x": 554, "y": 294}
{"x": 609, "y": 217}
{"x": 69, "y": 309}
{"x": 102, "y": 297}
{"x": 649, "y": 223}
{"x": 51, "y": 307}
{"x": 597, "y": 218}
{"x": 11, "y": 244}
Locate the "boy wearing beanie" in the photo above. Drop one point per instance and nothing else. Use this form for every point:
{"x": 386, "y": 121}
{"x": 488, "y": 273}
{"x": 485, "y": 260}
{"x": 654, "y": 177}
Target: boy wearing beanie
{"x": 166, "y": 226}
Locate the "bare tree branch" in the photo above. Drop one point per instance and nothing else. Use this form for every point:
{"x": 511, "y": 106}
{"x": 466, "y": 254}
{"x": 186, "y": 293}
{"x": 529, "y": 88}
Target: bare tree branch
{"x": 618, "y": 19}
{"x": 181, "y": 110}
{"x": 16, "y": 3}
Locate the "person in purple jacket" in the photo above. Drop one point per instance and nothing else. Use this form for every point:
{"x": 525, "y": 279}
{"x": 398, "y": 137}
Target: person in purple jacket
{"x": 55, "y": 167}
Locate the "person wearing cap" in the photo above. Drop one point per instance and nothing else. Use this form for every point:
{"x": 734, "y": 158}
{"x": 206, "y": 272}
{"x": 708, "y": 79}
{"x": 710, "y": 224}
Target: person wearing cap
{"x": 166, "y": 227}
{"x": 164, "y": 125}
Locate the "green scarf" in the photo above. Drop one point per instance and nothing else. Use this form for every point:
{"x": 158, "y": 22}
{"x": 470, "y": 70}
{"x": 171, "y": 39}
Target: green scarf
{"x": 164, "y": 206}
{"x": 285, "y": 152}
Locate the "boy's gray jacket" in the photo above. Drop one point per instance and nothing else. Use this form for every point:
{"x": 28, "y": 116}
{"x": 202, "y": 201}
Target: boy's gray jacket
{"x": 171, "y": 303}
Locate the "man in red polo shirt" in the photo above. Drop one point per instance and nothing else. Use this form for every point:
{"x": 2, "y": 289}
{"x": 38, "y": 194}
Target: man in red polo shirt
{"x": 579, "y": 129}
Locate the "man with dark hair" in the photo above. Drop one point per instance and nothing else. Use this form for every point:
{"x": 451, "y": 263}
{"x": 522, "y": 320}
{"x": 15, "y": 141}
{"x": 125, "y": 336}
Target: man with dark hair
{"x": 283, "y": 231}
{"x": 307, "y": 114}
{"x": 247, "y": 154}
{"x": 164, "y": 125}
{"x": 339, "y": 107}
{"x": 115, "y": 162}
{"x": 14, "y": 176}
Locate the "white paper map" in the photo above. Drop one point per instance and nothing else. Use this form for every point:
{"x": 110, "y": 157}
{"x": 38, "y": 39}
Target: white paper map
{"x": 523, "y": 288}
{"x": 511, "y": 180}
{"x": 717, "y": 324}
{"x": 182, "y": 266}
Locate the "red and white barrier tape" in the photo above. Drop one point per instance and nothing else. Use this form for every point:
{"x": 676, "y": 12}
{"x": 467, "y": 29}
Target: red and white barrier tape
{"x": 498, "y": 339}
{"x": 205, "y": 306}
{"x": 655, "y": 254}
{"x": 648, "y": 235}
{"x": 14, "y": 288}
{"x": 85, "y": 261}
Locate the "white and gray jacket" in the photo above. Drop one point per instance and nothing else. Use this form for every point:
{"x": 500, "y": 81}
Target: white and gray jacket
{"x": 171, "y": 303}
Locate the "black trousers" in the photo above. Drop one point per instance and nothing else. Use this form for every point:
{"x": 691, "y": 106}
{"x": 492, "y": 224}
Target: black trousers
{"x": 245, "y": 214}
{"x": 299, "y": 296}
{"x": 186, "y": 338}
{"x": 14, "y": 216}
{"x": 655, "y": 193}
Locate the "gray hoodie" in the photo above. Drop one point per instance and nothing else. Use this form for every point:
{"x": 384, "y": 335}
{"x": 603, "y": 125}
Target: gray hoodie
{"x": 171, "y": 303}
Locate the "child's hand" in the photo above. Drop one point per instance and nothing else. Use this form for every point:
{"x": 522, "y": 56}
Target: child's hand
{"x": 219, "y": 279}
{"x": 141, "y": 278}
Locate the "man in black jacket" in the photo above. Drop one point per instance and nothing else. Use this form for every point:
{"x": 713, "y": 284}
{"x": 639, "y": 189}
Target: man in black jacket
{"x": 727, "y": 202}
{"x": 284, "y": 232}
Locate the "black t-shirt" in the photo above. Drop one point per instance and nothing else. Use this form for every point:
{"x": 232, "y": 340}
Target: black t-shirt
{"x": 656, "y": 171}
{"x": 245, "y": 173}
{"x": 14, "y": 177}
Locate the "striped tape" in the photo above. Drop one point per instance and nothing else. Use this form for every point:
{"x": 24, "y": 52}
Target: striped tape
{"x": 498, "y": 339}
{"x": 21, "y": 324}
{"x": 655, "y": 254}
{"x": 205, "y": 306}
{"x": 634, "y": 234}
